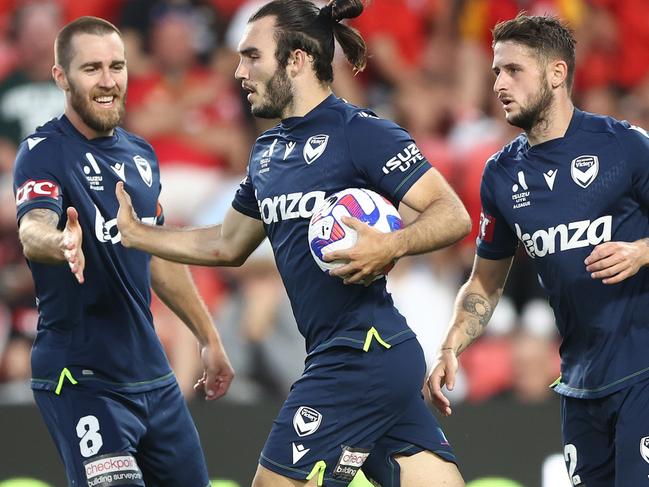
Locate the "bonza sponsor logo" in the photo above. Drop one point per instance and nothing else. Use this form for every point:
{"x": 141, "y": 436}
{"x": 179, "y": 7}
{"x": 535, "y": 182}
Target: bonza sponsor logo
{"x": 404, "y": 159}
{"x": 106, "y": 231}
{"x": 573, "y": 235}
{"x": 290, "y": 206}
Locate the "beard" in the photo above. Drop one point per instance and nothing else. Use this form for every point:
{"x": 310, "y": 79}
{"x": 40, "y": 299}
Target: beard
{"x": 99, "y": 120}
{"x": 279, "y": 95}
{"x": 536, "y": 111}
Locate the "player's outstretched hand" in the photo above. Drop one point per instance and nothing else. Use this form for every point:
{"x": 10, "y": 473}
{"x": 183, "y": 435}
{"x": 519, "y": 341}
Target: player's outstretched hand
{"x": 126, "y": 216}
{"x": 368, "y": 258}
{"x": 71, "y": 243}
{"x": 443, "y": 374}
{"x": 217, "y": 372}
{"x": 613, "y": 262}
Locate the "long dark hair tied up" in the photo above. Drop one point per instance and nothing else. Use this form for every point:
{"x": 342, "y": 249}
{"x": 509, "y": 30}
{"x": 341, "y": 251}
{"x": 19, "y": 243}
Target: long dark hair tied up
{"x": 300, "y": 24}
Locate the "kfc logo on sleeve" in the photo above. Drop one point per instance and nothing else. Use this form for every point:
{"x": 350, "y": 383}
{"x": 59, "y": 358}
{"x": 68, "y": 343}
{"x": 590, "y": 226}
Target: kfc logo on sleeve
{"x": 36, "y": 189}
{"x": 486, "y": 230}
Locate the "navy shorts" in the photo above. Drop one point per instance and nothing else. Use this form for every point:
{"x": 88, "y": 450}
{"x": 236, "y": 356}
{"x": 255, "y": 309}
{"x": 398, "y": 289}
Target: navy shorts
{"x": 606, "y": 440}
{"x": 353, "y": 409}
{"x": 106, "y": 438}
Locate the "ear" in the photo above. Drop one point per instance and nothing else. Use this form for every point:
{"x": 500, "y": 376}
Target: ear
{"x": 60, "y": 78}
{"x": 296, "y": 62}
{"x": 558, "y": 73}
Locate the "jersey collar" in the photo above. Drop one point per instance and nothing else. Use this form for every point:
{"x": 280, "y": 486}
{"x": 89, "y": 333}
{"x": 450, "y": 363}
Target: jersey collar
{"x": 573, "y": 126}
{"x": 291, "y": 122}
{"x": 71, "y": 130}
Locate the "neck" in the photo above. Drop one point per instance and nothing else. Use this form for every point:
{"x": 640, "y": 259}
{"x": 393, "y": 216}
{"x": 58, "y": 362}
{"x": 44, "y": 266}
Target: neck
{"x": 305, "y": 100}
{"x": 554, "y": 123}
{"x": 82, "y": 127}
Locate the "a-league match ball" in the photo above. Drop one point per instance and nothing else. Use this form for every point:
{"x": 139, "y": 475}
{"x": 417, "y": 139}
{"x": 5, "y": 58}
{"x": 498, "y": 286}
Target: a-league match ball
{"x": 327, "y": 232}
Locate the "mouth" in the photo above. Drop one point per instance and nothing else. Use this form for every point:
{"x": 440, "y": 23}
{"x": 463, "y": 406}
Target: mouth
{"x": 105, "y": 101}
{"x": 507, "y": 102}
{"x": 249, "y": 89}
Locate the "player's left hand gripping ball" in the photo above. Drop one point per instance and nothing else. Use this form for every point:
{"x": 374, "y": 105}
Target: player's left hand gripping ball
{"x": 346, "y": 235}
{"x": 366, "y": 261}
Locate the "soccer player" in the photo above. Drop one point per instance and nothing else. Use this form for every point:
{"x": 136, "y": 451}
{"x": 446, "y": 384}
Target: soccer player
{"x": 359, "y": 401}
{"x": 100, "y": 377}
{"x": 574, "y": 190}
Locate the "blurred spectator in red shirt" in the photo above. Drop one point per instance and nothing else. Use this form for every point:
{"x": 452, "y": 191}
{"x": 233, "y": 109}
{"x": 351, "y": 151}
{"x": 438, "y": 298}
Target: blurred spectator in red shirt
{"x": 191, "y": 115}
{"x": 615, "y": 46}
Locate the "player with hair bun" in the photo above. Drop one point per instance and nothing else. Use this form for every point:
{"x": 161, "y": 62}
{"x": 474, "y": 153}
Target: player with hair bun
{"x": 358, "y": 404}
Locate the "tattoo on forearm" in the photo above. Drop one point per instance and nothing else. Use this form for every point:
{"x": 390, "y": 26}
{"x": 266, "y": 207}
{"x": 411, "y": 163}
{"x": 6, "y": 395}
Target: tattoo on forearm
{"x": 40, "y": 237}
{"x": 472, "y": 328}
{"x": 479, "y": 307}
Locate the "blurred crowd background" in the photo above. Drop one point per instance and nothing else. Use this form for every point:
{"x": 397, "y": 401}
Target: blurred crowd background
{"x": 429, "y": 70}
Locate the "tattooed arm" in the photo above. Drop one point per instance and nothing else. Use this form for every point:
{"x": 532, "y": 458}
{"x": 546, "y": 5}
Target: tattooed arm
{"x": 43, "y": 242}
{"x": 474, "y": 306}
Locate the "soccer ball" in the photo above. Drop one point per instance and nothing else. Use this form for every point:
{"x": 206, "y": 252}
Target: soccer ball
{"x": 327, "y": 232}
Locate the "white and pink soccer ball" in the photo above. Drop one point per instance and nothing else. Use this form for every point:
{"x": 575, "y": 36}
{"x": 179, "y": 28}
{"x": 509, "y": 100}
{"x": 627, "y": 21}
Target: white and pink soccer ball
{"x": 327, "y": 232}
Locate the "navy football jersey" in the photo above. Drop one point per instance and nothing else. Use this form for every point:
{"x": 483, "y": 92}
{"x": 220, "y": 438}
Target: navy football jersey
{"x": 102, "y": 329}
{"x": 560, "y": 199}
{"x": 293, "y": 168}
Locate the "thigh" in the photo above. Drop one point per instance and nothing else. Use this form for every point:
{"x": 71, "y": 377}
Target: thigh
{"x": 413, "y": 452}
{"x": 632, "y": 437}
{"x": 170, "y": 453}
{"x": 345, "y": 401}
{"x": 588, "y": 429}
{"x": 95, "y": 433}
{"x": 426, "y": 469}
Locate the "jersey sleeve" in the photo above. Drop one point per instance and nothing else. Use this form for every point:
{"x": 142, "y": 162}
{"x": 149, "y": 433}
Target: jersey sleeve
{"x": 244, "y": 199}
{"x": 495, "y": 239}
{"x": 36, "y": 184}
{"x": 385, "y": 154}
{"x": 635, "y": 141}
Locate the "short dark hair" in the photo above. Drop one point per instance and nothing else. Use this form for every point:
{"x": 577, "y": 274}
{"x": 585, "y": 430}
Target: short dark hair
{"x": 83, "y": 25}
{"x": 299, "y": 24}
{"x": 546, "y": 35}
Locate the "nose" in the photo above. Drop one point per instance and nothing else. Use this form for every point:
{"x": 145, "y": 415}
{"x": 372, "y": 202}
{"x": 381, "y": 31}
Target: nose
{"x": 499, "y": 83}
{"x": 241, "y": 72}
{"x": 107, "y": 80}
